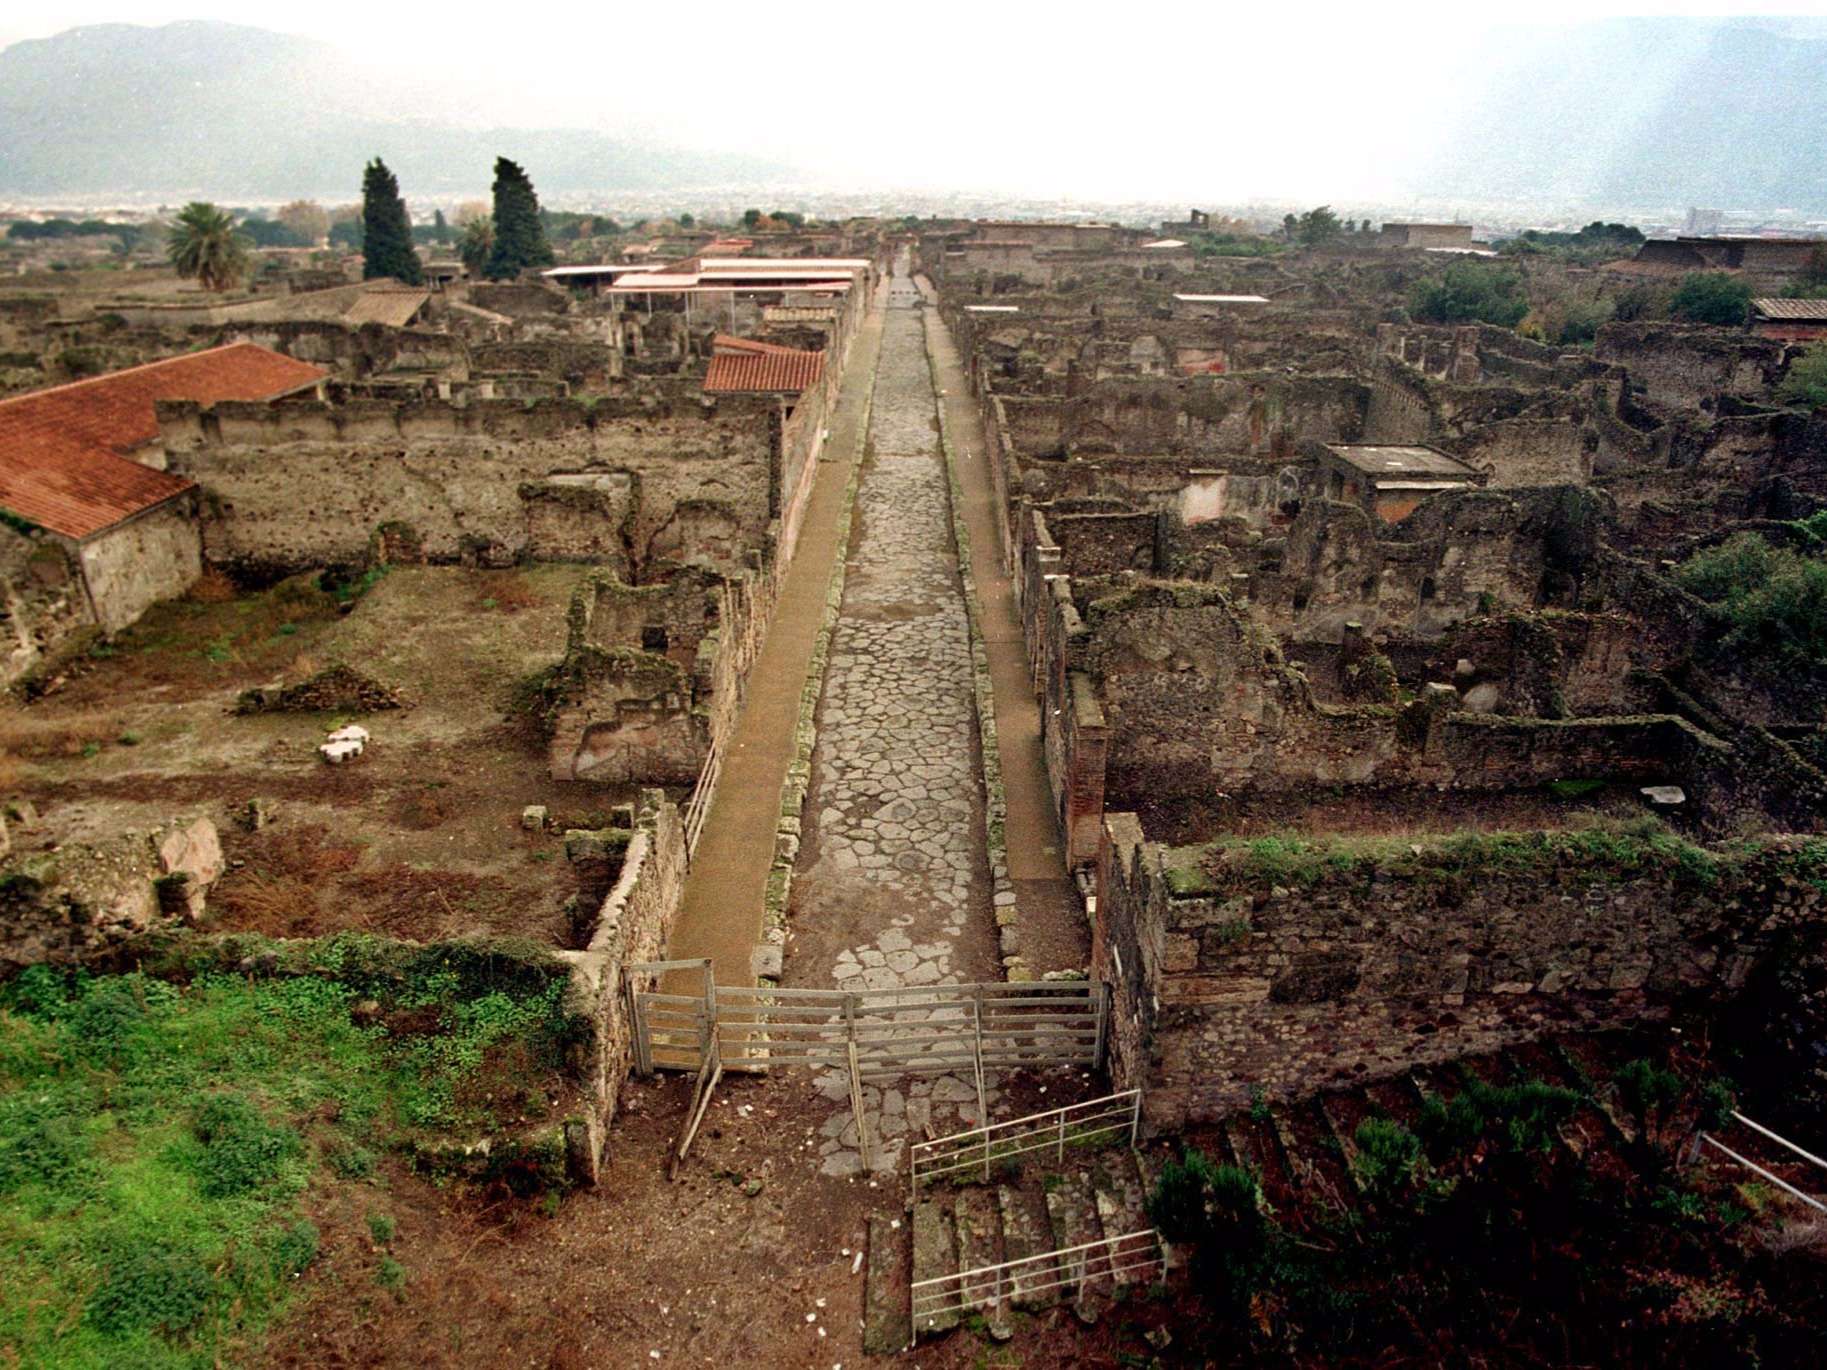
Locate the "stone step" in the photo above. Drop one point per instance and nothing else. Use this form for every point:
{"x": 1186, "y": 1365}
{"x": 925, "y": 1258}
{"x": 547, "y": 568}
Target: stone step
{"x": 1027, "y": 1231}
{"x": 935, "y": 1256}
{"x": 1345, "y": 1134}
{"x": 1121, "y": 1205}
{"x": 1149, "y": 1165}
{"x": 885, "y": 1312}
{"x": 1072, "y": 1208}
{"x": 979, "y": 1227}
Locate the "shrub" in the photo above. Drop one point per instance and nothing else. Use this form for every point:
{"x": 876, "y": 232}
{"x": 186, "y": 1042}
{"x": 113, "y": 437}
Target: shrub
{"x": 1471, "y": 292}
{"x": 1648, "y": 1091}
{"x": 1388, "y": 1159}
{"x": 149, "y": 1286}
{"x": 1711, "y": 297}
{"x": 1216, "y": 1210}
{"x": 241, "y": 1150}
{"x": 1770, "y": 603}
{"x": 1520, "y": 1119}
{"x": 1806, "y": 382}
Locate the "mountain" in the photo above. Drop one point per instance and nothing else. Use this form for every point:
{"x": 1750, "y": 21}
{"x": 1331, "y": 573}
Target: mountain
{"x": 225, "y": 111}
{"x": 1645, "y": 112}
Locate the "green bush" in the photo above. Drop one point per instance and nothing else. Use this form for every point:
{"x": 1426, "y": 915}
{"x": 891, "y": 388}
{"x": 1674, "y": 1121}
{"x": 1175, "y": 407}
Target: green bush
{"x": 1711, "y": 297}
{"x": 1388, "y": 1159}
{"x": 1649, "y": 1091}
{"x": 149, "y": 1286}
{"x": 1471, "y": 292}
{"x": 1770, "y": 603}
{"x": 1217, "y": 1211}
{"x": 1806, "y": 382}
{"x": 241, "y": 1150}
{"x": 1521, "y": 1119}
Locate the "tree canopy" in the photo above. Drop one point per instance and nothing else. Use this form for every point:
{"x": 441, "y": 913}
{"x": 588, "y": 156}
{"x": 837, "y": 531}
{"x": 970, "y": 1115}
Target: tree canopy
{"x": 386, "y": 229}
{"x": 520, "y": 238}
{"x": 1711, "y": 297}
{"x": 1470, "y": 292}
{"x": 1806, "y": 382}
{"x": 205, "y": 244}
{"x": 306, "y": 218}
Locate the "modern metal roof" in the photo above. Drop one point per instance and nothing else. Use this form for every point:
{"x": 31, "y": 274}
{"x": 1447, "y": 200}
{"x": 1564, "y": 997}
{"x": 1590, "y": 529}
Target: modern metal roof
{"x": 1394, "y": 463}
{"x": 1801, "y": 311}
{"x": 1222, "y": 299}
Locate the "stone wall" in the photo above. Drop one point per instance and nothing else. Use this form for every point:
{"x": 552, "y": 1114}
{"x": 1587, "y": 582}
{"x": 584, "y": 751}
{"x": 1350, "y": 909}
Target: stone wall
{"x": 133, "y": 565}
{"x": 79, "y": 901}
{"x": 43, "y": 606}
{"x": 651, "y": 680}
{"x": 636, "y": 484}
{"x": 1233, "y": 973}
{"x": 1688, "y": 368}
{"x": 631, "y": 927}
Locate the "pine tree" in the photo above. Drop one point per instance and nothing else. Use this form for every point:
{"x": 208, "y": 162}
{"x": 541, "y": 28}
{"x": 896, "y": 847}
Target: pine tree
{"x": 386, "y": 231}
{"x": 520, "y": 238}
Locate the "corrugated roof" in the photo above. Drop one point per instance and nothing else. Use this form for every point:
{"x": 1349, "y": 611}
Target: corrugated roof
{"x": 63, "y": 451}
{"x": 394, "y": 308}
{"x": 763, "y": 372}
{"x": 729, "y": 342}
{"x": 1394, "y": 461}
{"x": 1805, "y": 311}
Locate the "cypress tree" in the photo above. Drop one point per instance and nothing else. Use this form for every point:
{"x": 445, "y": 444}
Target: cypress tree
{"x": 520, "y": 237}
{"x": 386, "y": 231}
{"x": 440, "y": 229}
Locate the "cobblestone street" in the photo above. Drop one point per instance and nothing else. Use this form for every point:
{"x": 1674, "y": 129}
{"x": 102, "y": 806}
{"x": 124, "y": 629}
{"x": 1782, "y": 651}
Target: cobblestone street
{"x": 892, "y": 887}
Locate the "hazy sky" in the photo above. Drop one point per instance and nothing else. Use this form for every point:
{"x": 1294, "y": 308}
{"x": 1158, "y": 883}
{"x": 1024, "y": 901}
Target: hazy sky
{"x": 1110, "y": 100}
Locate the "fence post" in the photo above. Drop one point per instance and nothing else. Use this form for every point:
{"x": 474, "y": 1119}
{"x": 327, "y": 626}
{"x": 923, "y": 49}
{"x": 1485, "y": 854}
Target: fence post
{"x": 1099, "y": 1050}
{"x": 643, "y": 1051}
{"x": 983, "y": 1108}
{"x": 1135, "y": 1117}
{"x": 1062, "y": 1136}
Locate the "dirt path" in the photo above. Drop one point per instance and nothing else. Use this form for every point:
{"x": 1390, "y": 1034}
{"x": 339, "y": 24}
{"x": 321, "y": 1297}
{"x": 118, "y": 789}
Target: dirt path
{"x": 1054, "y": 933}
{"x": 722, "y": 913}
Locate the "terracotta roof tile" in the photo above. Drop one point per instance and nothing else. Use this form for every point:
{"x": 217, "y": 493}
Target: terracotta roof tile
{"x": 63, "y": 451}
{"x": 763, "y": 372}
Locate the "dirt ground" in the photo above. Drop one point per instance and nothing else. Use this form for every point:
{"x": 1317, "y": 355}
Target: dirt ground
{"x": 419, "y": 838}
{"x": 746, "y": 1259}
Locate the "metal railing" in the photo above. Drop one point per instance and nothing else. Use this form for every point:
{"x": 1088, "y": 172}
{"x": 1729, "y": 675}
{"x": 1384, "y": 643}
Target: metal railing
{"x": 1123, "y": 1260}
{"x": 1091, "y": 1123}
{"x": 1752, "y": 1165}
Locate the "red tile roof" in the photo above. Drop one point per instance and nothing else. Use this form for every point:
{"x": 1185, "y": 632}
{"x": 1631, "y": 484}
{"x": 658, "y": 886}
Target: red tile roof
{"x": 778, "y": 369}
{"x": 63, "y": 451}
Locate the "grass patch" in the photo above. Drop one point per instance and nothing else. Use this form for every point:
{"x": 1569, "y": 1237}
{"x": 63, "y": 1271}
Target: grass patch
{"x": 1602, "y": 850}
{"x": 157, "y": 1141}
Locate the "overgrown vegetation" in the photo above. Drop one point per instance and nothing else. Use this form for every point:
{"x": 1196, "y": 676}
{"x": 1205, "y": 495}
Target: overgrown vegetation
{"x": 1769, "y": 603}
{"x": 1606, "y": 850}
{"x": 159, "y": 1142}
{"x": 1471, "y": 292}
{"x": 1806, "y": 381}
{"x": 1491, "y": 1231}
{"x": 1711, "y": 297}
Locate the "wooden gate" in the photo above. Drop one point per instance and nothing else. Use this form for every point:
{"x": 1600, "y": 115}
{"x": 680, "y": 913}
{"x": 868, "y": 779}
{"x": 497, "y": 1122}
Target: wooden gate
{"x": 871, "y": 1035}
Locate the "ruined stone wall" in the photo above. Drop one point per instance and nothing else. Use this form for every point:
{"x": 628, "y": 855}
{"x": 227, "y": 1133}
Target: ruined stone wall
{"x": 1687, "y": 368}
{"x": 42, "y": 604}
{"x": 357, "y": 353}
{"x": 585, "y": 364}
{"x": 79, "y": 900}
{"x": 132, "y": 566}
{"x": 651, "y": 681}
{"x": 636, "y": 485}
{"x": 632, "y": 926}
{"x": 1236, "y": 978}
{"x": 1197, "y": 700}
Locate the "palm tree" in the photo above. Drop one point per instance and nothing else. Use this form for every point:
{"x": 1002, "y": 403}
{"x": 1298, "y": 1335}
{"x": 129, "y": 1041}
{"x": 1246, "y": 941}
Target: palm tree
{"x": 474, "y": 246}
{"x": 206, "y": 244}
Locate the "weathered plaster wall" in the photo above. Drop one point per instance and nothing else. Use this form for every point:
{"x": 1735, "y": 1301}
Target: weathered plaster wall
{"x": 638, "y": 486}
{"x": 155, "y": 556}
